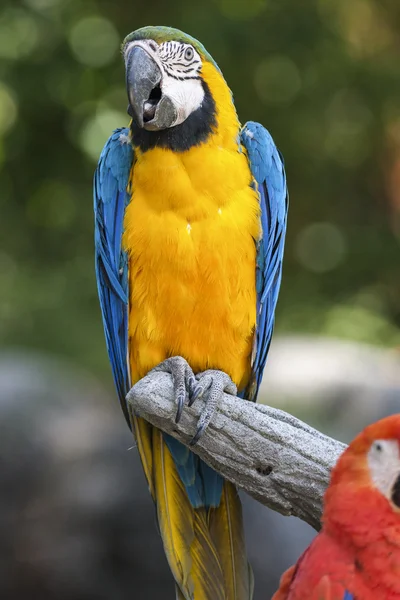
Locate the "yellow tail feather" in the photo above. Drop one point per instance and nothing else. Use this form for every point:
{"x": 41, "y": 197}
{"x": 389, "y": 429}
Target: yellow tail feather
{"x": 179, "y": 595}
{"x": 226, "y": 530}
{"x": 187, "y": 543}
{"x": 143, "y": 435}
{"x": 204, "y": 548}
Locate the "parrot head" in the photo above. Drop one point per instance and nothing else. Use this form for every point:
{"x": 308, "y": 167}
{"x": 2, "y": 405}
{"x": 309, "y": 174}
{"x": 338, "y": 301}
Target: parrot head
{"x": 173, "y": 87}
{"x": 366, "y": 479}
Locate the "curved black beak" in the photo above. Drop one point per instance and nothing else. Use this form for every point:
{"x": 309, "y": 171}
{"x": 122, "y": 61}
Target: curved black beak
{"x": 396, "y": 492}
{"x": 147, "y": 105}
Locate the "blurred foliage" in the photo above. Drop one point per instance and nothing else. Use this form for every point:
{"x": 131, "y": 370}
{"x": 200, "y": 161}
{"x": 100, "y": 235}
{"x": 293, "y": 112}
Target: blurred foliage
{"x": 322, "y": 75}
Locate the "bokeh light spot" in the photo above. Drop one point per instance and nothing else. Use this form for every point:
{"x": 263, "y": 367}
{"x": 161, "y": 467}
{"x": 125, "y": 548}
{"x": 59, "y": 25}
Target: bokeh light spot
{"x": 18, "y": 34}
{"x": 8, "y": 108}
{"x": 94, "y": 41}
{"x": 320, "y": 247}
{"x": 356, "y": 322}
{"x": 277, "y": 80}
{"x": 361, "y": 23}
{"x": 97, "y": 129}
{"x": 43, "y": 4}
{"x": 115, "y": 97}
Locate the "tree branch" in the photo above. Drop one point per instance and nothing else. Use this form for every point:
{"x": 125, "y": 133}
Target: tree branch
{"x": 274, "y": 457}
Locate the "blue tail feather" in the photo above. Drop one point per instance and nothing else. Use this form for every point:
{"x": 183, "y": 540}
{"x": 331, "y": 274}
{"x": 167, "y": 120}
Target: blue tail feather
{"x": 202, "y": 483}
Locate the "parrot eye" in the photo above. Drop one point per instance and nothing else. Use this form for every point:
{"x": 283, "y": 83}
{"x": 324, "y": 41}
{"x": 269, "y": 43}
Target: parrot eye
{"x": 189, "y": 53}
{"x": 153, "y": 45}
{"x": 384, "y": 468}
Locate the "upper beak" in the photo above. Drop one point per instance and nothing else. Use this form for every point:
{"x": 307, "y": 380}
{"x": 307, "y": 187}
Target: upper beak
{"x": 152, "y": 110}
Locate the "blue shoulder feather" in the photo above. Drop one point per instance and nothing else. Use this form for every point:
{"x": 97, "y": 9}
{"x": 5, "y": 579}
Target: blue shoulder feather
{"x": 267, "y": 168}
{"x": 110, "y": 199}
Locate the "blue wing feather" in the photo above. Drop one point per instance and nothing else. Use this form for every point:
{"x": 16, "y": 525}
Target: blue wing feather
{"x": 110, "y": 199}
{"x": 267, "y": 168}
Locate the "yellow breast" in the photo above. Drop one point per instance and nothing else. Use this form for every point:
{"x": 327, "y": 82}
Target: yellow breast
{"x": 190, "y": 231}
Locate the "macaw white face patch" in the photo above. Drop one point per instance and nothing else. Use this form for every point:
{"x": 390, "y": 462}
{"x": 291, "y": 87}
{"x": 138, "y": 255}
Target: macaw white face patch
{"x": 384, "y": 466}
{"x": 180, "y": 65}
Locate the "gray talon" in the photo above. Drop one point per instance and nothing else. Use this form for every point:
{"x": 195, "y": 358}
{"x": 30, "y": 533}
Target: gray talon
{"x": 197, "y": 436}
{"x": 212, "y": 384}
{"x": 199, "y": 389}
{"x": 183, "y": 378}
{"x": 180, "y": 401}
{"x": 192, "y": 385}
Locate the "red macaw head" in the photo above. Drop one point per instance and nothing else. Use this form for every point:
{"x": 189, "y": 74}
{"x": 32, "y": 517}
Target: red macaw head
{"x": 365, "y": 483}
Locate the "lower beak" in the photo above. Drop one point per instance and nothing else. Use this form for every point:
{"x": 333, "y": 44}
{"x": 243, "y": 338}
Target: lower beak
{"x": 148, "y": 106}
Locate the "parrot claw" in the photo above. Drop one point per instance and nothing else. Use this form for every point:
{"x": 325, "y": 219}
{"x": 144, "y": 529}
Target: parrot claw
{"x": 211, "y": 384}
{"x": 183, "y": 378}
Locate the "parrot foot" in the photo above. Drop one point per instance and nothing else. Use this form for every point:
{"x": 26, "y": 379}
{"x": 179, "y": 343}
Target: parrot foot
{"x": 183, "y": 378}
{"x": 211, "y": 384}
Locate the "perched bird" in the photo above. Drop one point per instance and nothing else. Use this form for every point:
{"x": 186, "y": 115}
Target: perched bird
{"x": 356, "y": 556}
{"x": 190, "y": 221}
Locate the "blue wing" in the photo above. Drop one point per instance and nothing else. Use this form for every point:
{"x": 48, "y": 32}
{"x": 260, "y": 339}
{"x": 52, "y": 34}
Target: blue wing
{"x": 267, "y": 168}
{"x": 348, "y": 596}
{"x": 111, "y": 178}
{"x": 110, "y": 199}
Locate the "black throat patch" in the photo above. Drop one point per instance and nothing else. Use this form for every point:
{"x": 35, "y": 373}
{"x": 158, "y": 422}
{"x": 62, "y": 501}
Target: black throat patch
{"x": 193, "y": 131}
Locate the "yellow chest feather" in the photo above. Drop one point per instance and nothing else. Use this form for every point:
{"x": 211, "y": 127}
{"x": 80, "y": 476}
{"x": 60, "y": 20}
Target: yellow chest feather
{"x": 190, "y": 232}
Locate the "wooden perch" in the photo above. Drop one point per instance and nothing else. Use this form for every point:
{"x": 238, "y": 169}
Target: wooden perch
{"x": 274, "y": 457}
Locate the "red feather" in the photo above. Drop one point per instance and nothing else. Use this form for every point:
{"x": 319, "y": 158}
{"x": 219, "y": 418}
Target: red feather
{"x": 357, "y": 553}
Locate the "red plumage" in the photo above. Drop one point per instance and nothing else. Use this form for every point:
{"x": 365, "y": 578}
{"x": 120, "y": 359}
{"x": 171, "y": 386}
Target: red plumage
{"x": 356, "y": 556}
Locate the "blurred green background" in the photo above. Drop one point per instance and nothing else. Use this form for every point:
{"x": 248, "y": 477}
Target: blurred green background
{"x": 324, "y": 78}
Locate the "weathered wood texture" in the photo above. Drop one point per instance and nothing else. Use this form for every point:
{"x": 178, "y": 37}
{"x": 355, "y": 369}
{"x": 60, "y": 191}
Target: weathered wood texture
{"x": 274, "y": 457}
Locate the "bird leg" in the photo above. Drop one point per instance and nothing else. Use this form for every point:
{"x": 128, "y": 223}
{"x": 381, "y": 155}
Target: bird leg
{"x": 211, "y": 385}
{"x": 183, "y": 378}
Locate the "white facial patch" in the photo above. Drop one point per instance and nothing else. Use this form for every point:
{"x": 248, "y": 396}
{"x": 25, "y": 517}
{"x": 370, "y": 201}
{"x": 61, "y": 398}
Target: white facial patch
{"x": 187, "y": 96}
{"x": 181, "y": 81}
{"x": 180, "y": 65}
{"x": 384, "y": 465}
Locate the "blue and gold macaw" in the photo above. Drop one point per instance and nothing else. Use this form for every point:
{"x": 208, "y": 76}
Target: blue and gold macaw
{"x": 190, "y": 217}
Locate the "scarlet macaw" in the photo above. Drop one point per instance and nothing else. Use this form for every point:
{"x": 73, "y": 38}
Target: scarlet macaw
{"x": 356, "y": 556}
{"x": 190, "y": 221}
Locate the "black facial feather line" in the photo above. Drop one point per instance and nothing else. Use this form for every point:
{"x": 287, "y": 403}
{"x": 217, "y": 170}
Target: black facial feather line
{"x": 174, "y": 64}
